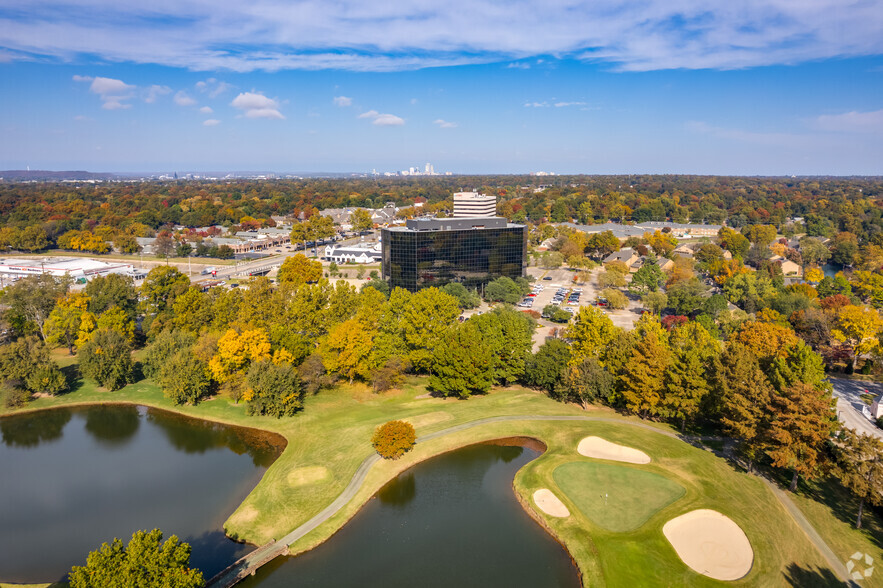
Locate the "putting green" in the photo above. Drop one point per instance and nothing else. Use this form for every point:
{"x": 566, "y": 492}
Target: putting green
{"x": 616, "y": 498}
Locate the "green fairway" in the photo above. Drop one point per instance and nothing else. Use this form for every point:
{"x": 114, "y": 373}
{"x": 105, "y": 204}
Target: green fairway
{"x": 617, "y": 498}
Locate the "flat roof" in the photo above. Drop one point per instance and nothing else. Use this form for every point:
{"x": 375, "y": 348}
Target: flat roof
{"x": 455, "y": 224}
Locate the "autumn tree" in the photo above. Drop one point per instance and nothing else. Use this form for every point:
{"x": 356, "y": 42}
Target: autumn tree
{"x": 587, "y": 382}
{"x": 859, "y": 468}
{"x": 349, "y": 347}
{"x": 616, "y": 300}
{"x": 145, "y": 562}
{"x": 662, "y": 243}
{"x": 160, "y": 288}
{"x": 642, "y": 382}
{"x": 803, "y": 420}
{"x": 590, "y": 332}
{"x": 298, "y": 269}
{"x": 69, "y": 321}
{"x": 765, "y": 340}
{"x": 361, "y": 220}
{"x": 761, "y": 235}
{"x": 393, "y": 439}
{"x": 743, "y": 398}
{"x": 237, "y": 351}
{"x": 860, "y": 328}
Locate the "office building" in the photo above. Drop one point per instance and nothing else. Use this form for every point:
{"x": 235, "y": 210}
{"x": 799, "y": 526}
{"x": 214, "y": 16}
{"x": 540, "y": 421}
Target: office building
{"x": 436, "y": 251}
{"x": 474, "y": 205}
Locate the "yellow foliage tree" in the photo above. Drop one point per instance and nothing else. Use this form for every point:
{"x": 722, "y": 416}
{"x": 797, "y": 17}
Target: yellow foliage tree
{"x": 237, "y": 351}
{"x": 860, "y": 328}
{"x": 814, "y": 275}
{"x": 765, "y": 339}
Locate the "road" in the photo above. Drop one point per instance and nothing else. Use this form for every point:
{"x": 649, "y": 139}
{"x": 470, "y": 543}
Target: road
{"x": 849, "y": 404}
{"x": 250, "y": 563}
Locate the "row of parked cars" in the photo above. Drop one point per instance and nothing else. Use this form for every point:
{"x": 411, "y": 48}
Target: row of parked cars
{"x": 528, "y": 300}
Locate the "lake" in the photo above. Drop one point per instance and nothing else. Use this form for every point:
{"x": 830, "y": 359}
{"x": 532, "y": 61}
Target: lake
{"x": 453, "y": 520}
{"x": 73, "y": 478}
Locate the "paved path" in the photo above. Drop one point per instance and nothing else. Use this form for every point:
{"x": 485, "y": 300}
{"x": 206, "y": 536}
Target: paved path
{"x": 252, "y": 561}
{"x": 850, "y": 404}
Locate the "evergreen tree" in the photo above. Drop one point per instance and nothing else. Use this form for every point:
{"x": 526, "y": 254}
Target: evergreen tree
{"x": 860, "y": 468}
{"x": 687, "y": 380}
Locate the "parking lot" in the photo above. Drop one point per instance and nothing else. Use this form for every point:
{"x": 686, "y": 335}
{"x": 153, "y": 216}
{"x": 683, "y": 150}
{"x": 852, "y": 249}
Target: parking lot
{"x": 562, "y": 279}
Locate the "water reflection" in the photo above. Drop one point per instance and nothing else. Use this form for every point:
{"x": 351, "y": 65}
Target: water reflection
{"x": 400, "y": 491}
{"x": 450, "y": 521}
{"x": 112, "y": 470}
{"x": 30, "y": 430}
{"x": 112, "y": 425}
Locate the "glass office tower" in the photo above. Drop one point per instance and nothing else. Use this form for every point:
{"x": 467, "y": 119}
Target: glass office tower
{"x": 434, "y": 252}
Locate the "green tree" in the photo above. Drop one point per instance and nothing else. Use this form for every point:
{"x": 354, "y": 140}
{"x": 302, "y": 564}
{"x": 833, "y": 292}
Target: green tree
{"x": 803, "y": 420}
{"x": 655, "y": 302}
{"x": 185, "y": 378}
{"x": 510, "y": 337}
{"x": 687, "y": 381}
{"x": 105, "y": 292}
{"x": 502, "y": 289}
{"x": 274, "y": 389}
{"x": 297, "y": 269}
{"x": 800, "y": 364}
{"x": 813, "y": 251}
{"x": 107, "y": 359}
{"x": 859, "y": 468}
{"x": 126, "y": 243}
{"x": 546, "y": 369}
{"x": 600, "y": 245}
{"x": 648, "y": 278}
{"x": 160, "y": 288}
{"x": 761, "y": 235}
{"x": 616, "y": 300}
{"x": 588, "y": 381}
{"x": 27, "y": 368}
{"x": 31, "y": 300}
{"x": 462, "y": 363}
{"x": 467, "y": 298}
{"x": 844, "y": 248}
{"x": 146, "y": 562}
{"x": 32, "y": 238}
{"x": 361, "y": 220}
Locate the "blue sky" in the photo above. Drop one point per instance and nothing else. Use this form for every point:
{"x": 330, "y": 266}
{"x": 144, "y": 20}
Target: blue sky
{"x": 571, "y": 86}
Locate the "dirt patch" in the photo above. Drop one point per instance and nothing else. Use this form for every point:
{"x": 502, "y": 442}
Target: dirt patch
{"x": 550, "y": 504}
{"x": 603, "y": 449}
{"x": 307, "y": 475}
{"x": 430, "y": 418}
{"x": 711, "y": 544}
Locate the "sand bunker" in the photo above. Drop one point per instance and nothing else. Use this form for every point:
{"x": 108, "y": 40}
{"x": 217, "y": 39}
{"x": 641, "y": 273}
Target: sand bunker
{"x": 603, "y": 449}
{"x": 711, "y": 544}
{"x": 550, "y": 504}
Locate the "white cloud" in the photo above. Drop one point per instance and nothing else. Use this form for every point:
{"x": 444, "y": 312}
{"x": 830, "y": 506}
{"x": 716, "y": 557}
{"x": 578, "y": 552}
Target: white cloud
{"x": 206, "y": 110}
{"x": 342, "y": 101}
{"x": 383, "y": 120}
{"x": 410, "y": 34}
{"x": 518, "y": 65}
{"x": 256, "y": 105}
{"x": 443, "y": 124}
{"x": 536, "y": 104}
{"x": 155, "y": 91}
{"x": 182, "y": 99}
{"x": 566, "y": 104}
{"x": 113, "y": 92}
{"x": 213, "y": 87}
{"x": 851, "y": 122}
{"x": 212, "y": 122}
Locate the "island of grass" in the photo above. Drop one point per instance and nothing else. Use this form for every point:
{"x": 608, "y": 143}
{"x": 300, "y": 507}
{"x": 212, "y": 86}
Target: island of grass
{"x": 330, "y": 439}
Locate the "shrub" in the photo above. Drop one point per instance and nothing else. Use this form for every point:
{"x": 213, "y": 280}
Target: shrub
{"x": 393, "y": 439}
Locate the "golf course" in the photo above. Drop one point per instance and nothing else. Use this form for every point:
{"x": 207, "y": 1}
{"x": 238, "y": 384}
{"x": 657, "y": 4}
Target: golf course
{"x": 616, "y": 510}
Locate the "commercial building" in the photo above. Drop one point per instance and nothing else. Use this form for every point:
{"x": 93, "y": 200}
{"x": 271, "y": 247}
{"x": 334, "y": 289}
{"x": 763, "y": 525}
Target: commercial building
{"x": 436, "y": 251}
{"x": 474, "y": 205}
{"x": 354, "y": 254}
{"x": 79, "y": 268}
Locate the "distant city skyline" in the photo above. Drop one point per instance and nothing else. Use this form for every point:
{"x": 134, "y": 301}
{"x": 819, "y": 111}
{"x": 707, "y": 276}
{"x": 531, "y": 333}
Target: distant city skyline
{"x": 777, "y": 88}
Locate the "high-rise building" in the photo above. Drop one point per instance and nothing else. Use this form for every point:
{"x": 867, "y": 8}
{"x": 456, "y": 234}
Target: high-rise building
{"x": 474, "y": 205}
{"x": 436, "y": 251}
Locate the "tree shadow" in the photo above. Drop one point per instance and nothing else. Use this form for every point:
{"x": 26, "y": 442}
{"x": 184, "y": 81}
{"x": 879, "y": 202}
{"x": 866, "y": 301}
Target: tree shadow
{"x": 843, "y": 505}
{"x": 807, "y": 578}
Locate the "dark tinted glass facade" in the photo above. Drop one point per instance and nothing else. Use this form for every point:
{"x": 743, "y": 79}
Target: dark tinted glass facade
{"x": 418, "y": 259}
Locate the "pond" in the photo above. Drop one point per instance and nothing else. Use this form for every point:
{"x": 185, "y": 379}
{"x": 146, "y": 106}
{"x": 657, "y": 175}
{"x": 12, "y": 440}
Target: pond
{"x": 451, "y": 521}
{"x": 73, "y": 478}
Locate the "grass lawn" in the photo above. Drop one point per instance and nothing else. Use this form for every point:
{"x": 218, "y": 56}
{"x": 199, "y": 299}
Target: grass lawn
{"x": 617, "y": 498}
{"x": 330, "y": 438}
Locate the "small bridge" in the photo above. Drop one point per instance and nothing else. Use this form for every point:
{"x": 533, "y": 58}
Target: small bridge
{"x": 261, "y": 270}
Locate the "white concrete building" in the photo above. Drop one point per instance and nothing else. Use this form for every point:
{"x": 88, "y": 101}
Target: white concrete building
{"x": 353, "y": 254}
{"x": 75, "y": 267}
{"x": 473, "y": 204}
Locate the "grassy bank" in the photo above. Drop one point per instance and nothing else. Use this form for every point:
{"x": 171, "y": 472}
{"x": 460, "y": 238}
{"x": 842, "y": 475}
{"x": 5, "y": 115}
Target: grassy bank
{"x": 330, "y": 438}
